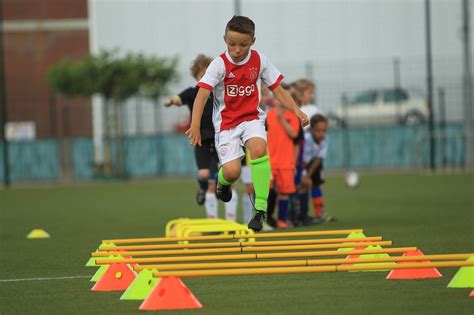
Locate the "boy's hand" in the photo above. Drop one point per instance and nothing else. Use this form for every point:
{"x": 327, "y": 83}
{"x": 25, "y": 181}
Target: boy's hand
{"x": 194, "y": 135}
{"x": 302, "y": 117}
{"x": 306, "y": 182}
{"x": 175, "y": 100}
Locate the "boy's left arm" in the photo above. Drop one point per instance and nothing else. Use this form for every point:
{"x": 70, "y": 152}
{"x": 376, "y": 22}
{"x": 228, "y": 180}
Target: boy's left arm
{"x": 290, "y": 130}
{"x": 313, "y": 166}
{"x": 287, "y": 101}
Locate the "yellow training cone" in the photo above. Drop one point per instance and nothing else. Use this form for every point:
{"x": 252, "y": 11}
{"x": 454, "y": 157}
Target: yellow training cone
{"x": 38, "y": 233}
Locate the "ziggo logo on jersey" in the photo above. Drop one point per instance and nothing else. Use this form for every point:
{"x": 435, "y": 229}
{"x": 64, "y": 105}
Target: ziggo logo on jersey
{"x": 235, "y": 90}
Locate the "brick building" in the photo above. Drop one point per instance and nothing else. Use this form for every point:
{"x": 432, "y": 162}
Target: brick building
{"x": 36, "y": 35}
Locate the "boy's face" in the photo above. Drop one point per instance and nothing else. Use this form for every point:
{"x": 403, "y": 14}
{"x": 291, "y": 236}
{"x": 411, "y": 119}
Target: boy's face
{"x": 201, "y": 74}
{"x": 308, "y": 96}
{"x": 319, "y": 131}
{"x": 238, "y": 45}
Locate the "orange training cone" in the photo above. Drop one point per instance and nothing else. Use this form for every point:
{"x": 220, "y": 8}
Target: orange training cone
{"x": 117, "y": 278}
{"x": 170, "y": 294}
{"x": 471, "y": 294}
{"x": 415, "y": 273}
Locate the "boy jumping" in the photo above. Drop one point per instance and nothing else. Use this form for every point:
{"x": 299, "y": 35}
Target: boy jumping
{"x": 235, "y": 80}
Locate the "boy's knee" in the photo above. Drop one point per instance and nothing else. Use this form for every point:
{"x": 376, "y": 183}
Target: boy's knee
{"x": 231, "y": 171}
{"x": 257, "y": 147}
{"x": 259, "y": 152}
{"x": 203, "y": 174}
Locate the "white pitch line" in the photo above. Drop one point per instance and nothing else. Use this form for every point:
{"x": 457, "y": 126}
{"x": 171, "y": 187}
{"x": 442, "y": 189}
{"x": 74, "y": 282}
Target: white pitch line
{"x": 43, "y": 279}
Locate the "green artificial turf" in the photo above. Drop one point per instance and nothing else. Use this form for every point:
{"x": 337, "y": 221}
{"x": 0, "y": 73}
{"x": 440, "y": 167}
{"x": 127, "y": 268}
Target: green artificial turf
{"x": 433, "y": 212}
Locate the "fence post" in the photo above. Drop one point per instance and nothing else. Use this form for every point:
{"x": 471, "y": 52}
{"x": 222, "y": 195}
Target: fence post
{"x": 442, "y": 126}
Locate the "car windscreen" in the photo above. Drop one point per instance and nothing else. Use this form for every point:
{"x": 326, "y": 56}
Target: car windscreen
{"x": 366, "y": 97}
{"x": 394, "y": 95}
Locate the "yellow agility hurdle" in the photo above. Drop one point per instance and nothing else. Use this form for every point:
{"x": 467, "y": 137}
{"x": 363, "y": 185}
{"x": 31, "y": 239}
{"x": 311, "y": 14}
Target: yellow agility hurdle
{"x": 294, "y": 263}
{"x": 170, "y": 228}
{"x": 187, "y": 230}
{"x": 250, "y": 248}
{"x": 307, "y": 269}
{"x": 230, "y": 237}
{"x": 238, "y": 244}
{"x": 255, "y": 256}
{"x": 186, "y": 227}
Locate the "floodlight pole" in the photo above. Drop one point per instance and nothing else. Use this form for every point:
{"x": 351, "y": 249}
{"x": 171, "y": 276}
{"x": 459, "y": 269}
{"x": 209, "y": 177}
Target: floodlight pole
{"x": 468, "y": 113}
{"x": 429, "y": 84}
{"x": 237, "y": 7}
{"x": 3, "y": 105}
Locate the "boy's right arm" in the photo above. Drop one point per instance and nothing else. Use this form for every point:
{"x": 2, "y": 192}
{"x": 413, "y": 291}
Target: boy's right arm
{"x": 194, "y": 132}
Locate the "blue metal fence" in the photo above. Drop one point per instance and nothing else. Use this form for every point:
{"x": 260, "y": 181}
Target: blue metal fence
{"x": 171, "y": 154}
{"x": 32, "y": 160}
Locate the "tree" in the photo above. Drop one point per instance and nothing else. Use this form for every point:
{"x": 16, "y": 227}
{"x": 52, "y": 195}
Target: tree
{"x": 116, "y": 79}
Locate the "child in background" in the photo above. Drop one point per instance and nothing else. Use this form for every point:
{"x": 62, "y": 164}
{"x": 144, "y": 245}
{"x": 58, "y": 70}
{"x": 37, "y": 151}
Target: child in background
{"x": 205, "y": 155}
{"x": 305, "y": 89}
{"x": 315, "y": 150}
{"x": 282, "y": 129}
{"x": 235, "y": 77}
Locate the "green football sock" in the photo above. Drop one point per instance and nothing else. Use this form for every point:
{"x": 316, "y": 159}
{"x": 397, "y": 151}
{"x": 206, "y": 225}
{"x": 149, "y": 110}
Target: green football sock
{"x": 221, "y": 179}
{"x": 260, "y": 170}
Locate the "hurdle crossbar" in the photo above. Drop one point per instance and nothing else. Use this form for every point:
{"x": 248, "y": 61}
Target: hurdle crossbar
{"x": 230, "y": 237}
{"x": 255, "y": 256}
{"x": 240, "y": 249}
{"x": 305, "y": 262}
{"x": 308, "y": 269}
{"x": 238, "y": 244}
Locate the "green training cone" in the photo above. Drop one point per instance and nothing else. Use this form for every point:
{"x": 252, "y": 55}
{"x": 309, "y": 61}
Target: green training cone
{"x": 106, "y": 244}
{"x": 353, "y": 235}
{"x": 141, "y": 286}
{"x": 464, "y": 278}
{"x": 103, "y": 268}
{"x": 91, "y": 262}
{"x": 373, "y": 256}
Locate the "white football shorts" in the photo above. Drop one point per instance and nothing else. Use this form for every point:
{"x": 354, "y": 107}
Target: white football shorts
{"x": 230, "y": 143}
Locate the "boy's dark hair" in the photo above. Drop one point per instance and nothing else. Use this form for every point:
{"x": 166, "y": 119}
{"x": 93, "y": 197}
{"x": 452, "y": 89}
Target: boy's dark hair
{"x": 241, "y": 24}
{"x": 317, "y": 119}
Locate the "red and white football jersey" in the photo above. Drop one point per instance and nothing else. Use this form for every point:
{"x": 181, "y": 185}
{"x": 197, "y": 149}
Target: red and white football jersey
{"x": 236, "y": 88}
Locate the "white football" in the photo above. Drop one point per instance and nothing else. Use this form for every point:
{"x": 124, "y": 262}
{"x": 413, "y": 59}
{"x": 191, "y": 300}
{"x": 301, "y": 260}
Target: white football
{"x": 352, "y": 179}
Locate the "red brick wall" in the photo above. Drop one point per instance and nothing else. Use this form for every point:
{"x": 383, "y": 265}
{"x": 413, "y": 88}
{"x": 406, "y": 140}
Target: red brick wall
{"x": 28, "y": 56}
{"x": 44, "y": 9}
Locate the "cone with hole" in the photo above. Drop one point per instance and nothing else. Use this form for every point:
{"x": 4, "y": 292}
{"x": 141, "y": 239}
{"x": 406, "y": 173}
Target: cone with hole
{"x": 351, "y": 236}
{"x": 464, "y": 278}
{"x": 141, "y": 286}
{"x": 471, "y": 294}
{"x": 170, "y": 294}
{"x": 103, "y": 268}
{"x": 117, "y": 278}
{"x": 415, "y": 273}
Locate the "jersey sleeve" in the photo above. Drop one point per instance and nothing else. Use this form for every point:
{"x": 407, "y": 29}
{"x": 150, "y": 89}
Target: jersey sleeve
{"x": 323, "y": 150}
{"x": 307, "y": 149}
{"x": 214, "y": 74}
{"x": 187, "y": 96}
{"x": 269, "y": 73}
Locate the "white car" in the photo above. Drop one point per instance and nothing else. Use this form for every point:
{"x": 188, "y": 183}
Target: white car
{"x": 384, "y": 106}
